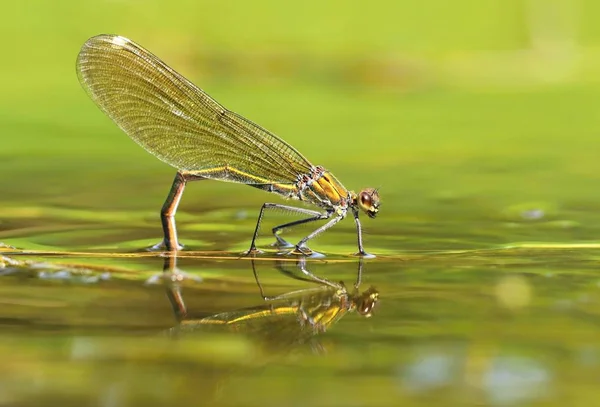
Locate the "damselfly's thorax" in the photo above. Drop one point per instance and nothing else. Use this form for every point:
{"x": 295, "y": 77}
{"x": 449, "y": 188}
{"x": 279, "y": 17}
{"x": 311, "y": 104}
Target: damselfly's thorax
{"x": 321, "y": 188}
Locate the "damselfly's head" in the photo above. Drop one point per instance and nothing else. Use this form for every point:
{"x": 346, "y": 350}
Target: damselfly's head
{"x": 366, "y": 301}
{"x": 368, "y": 201}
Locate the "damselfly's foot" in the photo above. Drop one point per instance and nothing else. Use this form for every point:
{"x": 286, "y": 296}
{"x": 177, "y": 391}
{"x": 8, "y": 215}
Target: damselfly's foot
{"x": 161, "y": 247}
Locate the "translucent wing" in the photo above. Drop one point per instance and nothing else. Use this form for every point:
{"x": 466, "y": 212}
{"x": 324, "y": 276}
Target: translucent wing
{"x": 178, "y": 122}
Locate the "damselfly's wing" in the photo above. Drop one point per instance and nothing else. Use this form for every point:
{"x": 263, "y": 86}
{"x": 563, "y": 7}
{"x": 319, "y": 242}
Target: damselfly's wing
{"x": 178, "y": 122}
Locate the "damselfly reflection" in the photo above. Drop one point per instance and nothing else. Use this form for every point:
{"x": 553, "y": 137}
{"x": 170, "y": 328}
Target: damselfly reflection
{"x": 287, "y": 319}
{"x": 183, "y": 126}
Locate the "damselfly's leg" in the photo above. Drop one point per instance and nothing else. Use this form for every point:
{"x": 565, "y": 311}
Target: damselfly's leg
{"x": 301, "y": 245}
{"x": 167, "y": 213}
{"x": 314, "y": 216}
{"x": 361, "y": 250}
{"x": 281, "y": 242}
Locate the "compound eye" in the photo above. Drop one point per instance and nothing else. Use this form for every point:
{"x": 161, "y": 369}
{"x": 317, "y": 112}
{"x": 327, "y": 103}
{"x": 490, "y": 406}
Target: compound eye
{"x": 365, "y": 308}
{"x": 365, "y": 199}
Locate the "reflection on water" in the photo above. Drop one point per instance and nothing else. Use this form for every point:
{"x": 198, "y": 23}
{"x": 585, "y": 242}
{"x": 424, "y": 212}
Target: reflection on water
{"x": 287, "y": 319}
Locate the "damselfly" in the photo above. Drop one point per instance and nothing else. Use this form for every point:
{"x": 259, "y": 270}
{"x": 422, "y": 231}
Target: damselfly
{"x": 183, "y": 126}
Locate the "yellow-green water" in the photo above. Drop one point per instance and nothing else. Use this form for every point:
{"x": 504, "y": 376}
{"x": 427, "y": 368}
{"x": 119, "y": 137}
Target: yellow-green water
{"x": 483, "y": 143}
